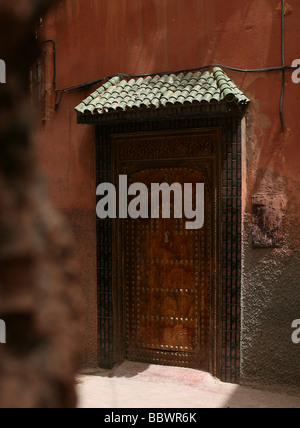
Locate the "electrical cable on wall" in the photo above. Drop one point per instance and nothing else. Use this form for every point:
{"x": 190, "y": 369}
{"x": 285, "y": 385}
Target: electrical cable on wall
{"x": 283, "y": 63}
{"x": 59, "y": 92}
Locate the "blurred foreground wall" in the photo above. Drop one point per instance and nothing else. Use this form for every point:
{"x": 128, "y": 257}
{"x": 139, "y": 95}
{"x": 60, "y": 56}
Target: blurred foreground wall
{"x": 38, "y": 293}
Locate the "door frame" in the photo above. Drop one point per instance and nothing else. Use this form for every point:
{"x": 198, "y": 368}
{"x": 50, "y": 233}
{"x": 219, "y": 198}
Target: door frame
{"x": 118, "y": 263}
{"x": 229, "y": 118}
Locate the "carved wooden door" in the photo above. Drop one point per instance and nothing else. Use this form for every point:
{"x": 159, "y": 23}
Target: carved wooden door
{"x": 167, "y": 271}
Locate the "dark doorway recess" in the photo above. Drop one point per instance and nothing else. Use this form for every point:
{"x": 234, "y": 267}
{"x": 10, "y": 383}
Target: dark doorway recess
{"x": 167, "y": 295}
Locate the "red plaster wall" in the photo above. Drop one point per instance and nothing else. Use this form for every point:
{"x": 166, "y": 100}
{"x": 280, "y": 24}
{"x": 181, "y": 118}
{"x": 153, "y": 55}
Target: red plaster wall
{"x": 96, "y": 38}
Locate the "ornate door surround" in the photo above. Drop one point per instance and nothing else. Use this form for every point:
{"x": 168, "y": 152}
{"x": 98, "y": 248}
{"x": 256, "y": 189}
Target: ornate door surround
{"x": 111, "y": 348}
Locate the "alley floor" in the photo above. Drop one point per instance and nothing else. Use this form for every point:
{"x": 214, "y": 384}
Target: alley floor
{"x": 136, "y": 385}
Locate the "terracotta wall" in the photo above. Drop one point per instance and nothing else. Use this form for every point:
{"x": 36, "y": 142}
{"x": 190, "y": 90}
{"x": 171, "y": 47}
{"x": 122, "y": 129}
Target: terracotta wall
{"x": 96, "y": 38}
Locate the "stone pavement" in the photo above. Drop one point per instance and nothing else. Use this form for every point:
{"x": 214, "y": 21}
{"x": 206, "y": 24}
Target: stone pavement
{"x": 136, "y": 385}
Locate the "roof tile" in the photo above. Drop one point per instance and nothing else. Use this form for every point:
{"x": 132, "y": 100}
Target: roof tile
{"x": 163, "y": 90}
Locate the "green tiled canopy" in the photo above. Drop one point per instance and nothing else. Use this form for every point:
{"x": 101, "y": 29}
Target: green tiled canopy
{"x": 119, "y": 94}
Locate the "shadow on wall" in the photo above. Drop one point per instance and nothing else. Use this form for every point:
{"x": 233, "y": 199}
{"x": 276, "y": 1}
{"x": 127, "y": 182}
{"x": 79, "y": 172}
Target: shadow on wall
{"x": 38, "y": 292}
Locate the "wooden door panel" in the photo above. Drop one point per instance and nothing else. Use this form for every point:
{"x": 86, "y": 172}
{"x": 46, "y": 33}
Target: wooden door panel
{"x": 176, "y": 304}
{"x": 169, "y": 290}
{"x": 169, "y": 241}
{"x": 162, "y": 276}
{"x": 165, "y": 334}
